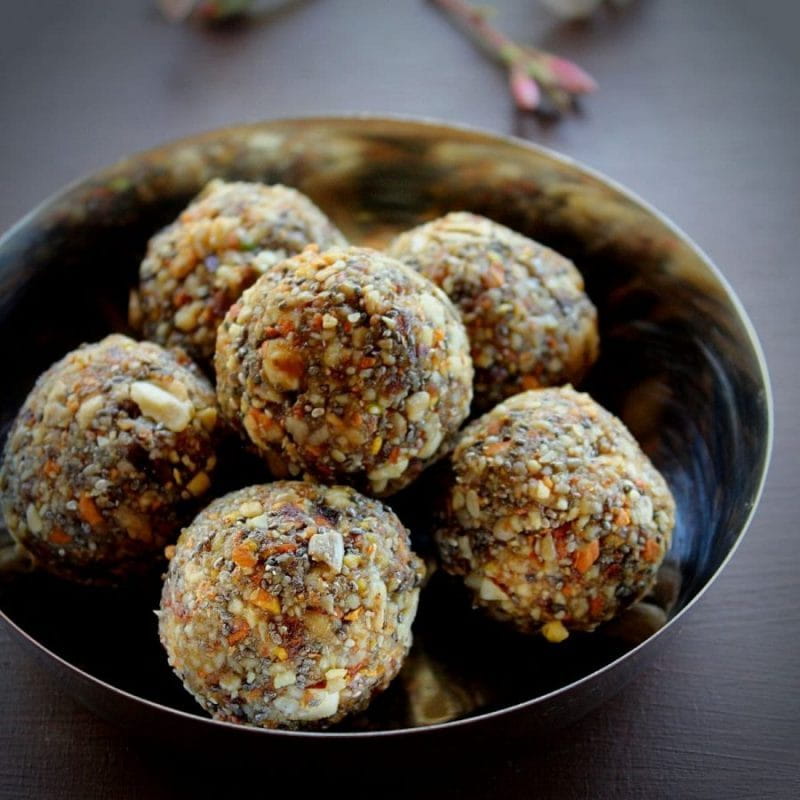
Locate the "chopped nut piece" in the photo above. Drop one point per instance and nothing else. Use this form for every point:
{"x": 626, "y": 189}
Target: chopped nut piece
{"x": 261, "y": 521}
{"x": 491, "y": 591}
{"x": 286, "y": 677}
{"x": 473, "y": 503}
{"x": 327, "y": 547}
{"x": 88, "y": 409}
{"x": 199, "y": 484}
{"x": 318, "y": 705}
{"x": 332, "y": 674}
{"x": 33, "y": 520}
{"x": 161, "y": 406}
{"x": 251, "y": 509}
{"x": 554, "y": 631}
{"x": 208, "y": 417}
{"x": 417, "y": 405}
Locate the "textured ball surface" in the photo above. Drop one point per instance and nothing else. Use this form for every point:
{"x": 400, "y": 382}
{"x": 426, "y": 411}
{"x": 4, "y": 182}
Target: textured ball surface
{"x": 196, "y": 268}
{"x": 555, "y": 517}
{"x": 107, "y": 459}
{"x": 529, "y": 321}
{"x": 290, "y": 605}
{"x": 346, "y": 366}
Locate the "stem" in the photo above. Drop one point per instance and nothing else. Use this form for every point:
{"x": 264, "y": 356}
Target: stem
{"x": 474, "y": 21}
{"x": 561, "y": 79}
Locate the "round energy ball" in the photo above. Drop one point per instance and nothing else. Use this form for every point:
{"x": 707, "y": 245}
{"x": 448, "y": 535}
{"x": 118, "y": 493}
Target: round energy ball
{"x": 198, "y": 266}
{"x": 529, "y": 321}
{"x": 290, "y": 604}
{"x": 555, "y": 517}
{"x": 107, "y": 459}
{"x": 347, "y": 366}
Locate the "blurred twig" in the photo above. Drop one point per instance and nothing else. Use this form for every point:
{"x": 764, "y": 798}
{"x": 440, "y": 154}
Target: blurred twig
{"x": 531, "y": 71}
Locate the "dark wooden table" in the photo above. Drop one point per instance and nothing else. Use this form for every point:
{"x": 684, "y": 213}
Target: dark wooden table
{"x": 698, "y": 112}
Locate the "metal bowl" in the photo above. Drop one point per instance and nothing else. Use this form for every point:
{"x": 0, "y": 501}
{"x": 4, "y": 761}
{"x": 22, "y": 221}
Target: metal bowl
{"x": 680, "y": 364}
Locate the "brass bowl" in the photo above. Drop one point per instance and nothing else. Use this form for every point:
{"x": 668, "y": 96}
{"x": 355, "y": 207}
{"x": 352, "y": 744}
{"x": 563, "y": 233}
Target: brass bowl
{"x": 680, "y": 364}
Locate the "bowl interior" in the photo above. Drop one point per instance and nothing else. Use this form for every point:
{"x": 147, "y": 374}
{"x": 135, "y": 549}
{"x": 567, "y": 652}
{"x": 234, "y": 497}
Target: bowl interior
{"x": 678, "y": 365}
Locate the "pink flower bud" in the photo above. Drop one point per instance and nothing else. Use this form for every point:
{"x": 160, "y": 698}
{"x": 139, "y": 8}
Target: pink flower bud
{"x": 570, "y": 76}
{"x": 524, "y": 89}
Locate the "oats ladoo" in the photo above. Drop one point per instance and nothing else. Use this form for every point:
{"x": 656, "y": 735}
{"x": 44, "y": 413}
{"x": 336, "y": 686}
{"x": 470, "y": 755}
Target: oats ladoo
{"x": 346, "y": 366}
{"x": 290, "y": 604}
{"x": 555, "y": 517}
{"x": 529, "y": 321}
{"x": 107, "y": 459}
{"x": 198, "y": 266}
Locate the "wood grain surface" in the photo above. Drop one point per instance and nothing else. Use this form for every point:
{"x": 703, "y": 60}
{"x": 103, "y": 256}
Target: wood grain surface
{"x": 698, "y": 111}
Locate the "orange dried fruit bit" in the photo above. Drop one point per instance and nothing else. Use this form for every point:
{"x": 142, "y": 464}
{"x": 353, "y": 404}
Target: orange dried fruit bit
{"x": 243, "y": 556}
{"x": 354, "y": 615}
{"x": 59, "y": 536}
{"x": 290, "y": 363}
{"x": 262, "y": 420}
{"x": 622, "y": 518}
{"x": 651, "y": 551}
{"x": 265, "y": 601}
{"x": 494, "y": 276}
{"x": 356, "y": 668}
{"x": 560, "y": 539}
{"x": 280, "y": 548}
{"x": 285, "y": 326}
{"x": 496, "y": 447}
{"x": 493, "y": 427}
{"x": 51, "y": 468}
{"x": 240, "y": 630}
{"x": 89, "y": 511}
{"x": 530, "y": 382}
{"x": 596, "y": 606}
{"x": 586, "y": 556}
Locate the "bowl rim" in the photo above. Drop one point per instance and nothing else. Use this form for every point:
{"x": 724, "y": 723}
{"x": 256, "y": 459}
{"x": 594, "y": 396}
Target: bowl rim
{"x": 410, "y": 121}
